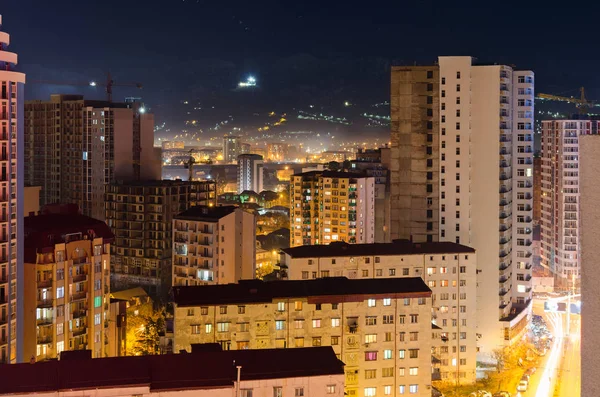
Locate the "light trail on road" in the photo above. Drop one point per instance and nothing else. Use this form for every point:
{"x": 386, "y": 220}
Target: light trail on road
{"x": 545, "y": 386}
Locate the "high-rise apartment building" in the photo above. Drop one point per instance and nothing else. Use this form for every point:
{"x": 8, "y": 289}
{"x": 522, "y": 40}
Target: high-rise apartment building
{"x": 462, "y": 165}
{"x": 67, "y": 285}
{"x": 12, "y": 85}
{"x": 141, "y": 217}
{"x": 75, "y": 147}
{"x": 250, "y": 173}
{"x": 537, "y": 190}
{"x": 277, "y": 152}
{"x": 213, "y": 245}
{"x": 449, "y": 269}
{"x": 329, "y": 206}
{"x": 381, "y": 329}
{"x": 232, "y": 148}
{"x": 560, "y": 213}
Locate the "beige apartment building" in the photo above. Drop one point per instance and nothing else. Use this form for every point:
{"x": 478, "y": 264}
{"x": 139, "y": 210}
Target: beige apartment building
{"x": 328, "y": 206}
{"x": 75, "y": 147}
{"x": 381, "y": 329}
{"x": 67, "y": 285}
{"x": 213, "y": 245}
{"x": 449, "y": 269}
{"x": 140, "y": 214}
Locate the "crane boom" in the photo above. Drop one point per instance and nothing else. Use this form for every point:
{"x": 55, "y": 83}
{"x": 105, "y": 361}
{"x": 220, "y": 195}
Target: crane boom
{"x": 582, "y": 103}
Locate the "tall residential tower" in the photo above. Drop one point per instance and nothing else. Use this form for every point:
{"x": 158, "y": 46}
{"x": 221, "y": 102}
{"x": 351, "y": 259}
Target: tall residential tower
{"x": 462, "y": 171}
{"x": 12, "y": 86}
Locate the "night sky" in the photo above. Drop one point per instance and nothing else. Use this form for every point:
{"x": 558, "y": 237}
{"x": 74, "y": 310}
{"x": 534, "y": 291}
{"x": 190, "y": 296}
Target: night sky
{"x": 299, "y": 50}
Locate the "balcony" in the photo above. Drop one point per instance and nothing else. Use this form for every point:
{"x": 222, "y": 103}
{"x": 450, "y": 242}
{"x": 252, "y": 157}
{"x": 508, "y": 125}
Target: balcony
{"x": 78, "y": 296}
{"x": 503, "y": 254}
{"x": 503, "y": 266}
{"x": 45, "y": 303}
{"x": 504, "y": 177}
{"x": 79, "y": 313}
{"x": 504, "y": 215}
{"x": 503, "y": 292}
{"x": 79, "y": 331}
{"x": 44, "y": 283}
{"x": 503, "y": 305}
{"x": 528, "y": 277}
{"x": 436, "y": 374}
{"x": 78, "y": 278}
{"x": 503, "y": 279}
{"x": 44, "y": 339}
{"x": 528, "y": 266}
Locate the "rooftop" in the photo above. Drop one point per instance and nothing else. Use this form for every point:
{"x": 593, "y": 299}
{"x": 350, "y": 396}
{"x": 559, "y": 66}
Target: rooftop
{"x": 44, "y": 231}
{"x": 253, "y": 291}
{"x": 398, "y": 247}
{"x": 160, "y": 183}
{"x": 206, "y": 369}
{"x": 128, "y": 294}
{"x": 206, "y": 213}
{"x": 332, "y": 174}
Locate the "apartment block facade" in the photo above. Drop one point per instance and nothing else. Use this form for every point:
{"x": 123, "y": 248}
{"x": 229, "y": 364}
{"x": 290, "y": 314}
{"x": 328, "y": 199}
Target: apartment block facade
{"x": 250, "y": 173}
{"x": 213, "y": 245}
{"x": 479, "y": 118}
{"x": 329, "y": 206}
{"x": 12, "y": 86}
{"x": 75, "y": 147}
{"x": 448, "y": 269}
{"x": 232, "y": 148}
{"x": 141, "y": 214}
{"x": 381, "y": 329}
{"x": 560, "y": 212}
{"x": 67, "y": 285}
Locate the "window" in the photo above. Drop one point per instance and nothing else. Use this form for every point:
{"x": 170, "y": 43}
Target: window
{"x": 370, "y": 373}
{"x": 246, "y": 392}
{"x": 401, "y": 371}
{"x": 280, "y": 306}
{"x": 402, "y": 336}
{"x": 371, "y": 320}
{"x": 241, "y": 309}
{"x": 280, "y": 325}
{"x": 392, "y": 272}
{"x": 413, "y": 353}
{"x": 401, "y": 354}
{"x": 387, "y": 301}
{"x": 316, "y": 341}
{"x": 190, "y": 312}
{"x": 334, "y": 306}
{"x": 458, "y": 88}
{"x": 370, "y": 391}
{"x": 387, "y": 336}
{"x": 414, "y": 336}
{"x": 335, "y": 340}
{"x": 402, "y": 319}
{"x": 413, "y": 389}
{"x": 278, "y": 391}
{"x": 97, "y": 301}
{"x": 378, "y": 272}
{"x": 97, "y": 319}
{"x": 316, "y": 323}
{"x": 387, "y": 372}
{"x": 371, "y": 338}
{"x": 413, "y": 371}
{"x": 223, "y": 310}
{"x": 299, "y": 392}
{"x": 304, "y": 275}
{"x": 298, "y": 305}
{"x": 458, "y": 75}
{"x": 317, "y": 306}
{"x": 388, "y": 354}
{"x": 406, "y": 301}
{"x": 299, "y": 342}
{"x": 208, "y": 328}
{"x": 204, "y": 311}
{"x": 60, "y": 327}
{"x": 371, "y": 302}
{"x": 443, "y": 80}
{"x": 60, "y": 292}
{"x": 60, "y": 347}
{"x": 298, "y": 324}
{"x": 222, "y": 327}
{"x": 330, "y": 389}
{"x": 387, "y": 390}
{"x": 458, "y": 126}
{"x": 365, "y": 273}
{"x": 333, "y": 261}
{"x": 370, "y": 356}
{"x": 388, "y": 319}
{"x": 335, "y": 322}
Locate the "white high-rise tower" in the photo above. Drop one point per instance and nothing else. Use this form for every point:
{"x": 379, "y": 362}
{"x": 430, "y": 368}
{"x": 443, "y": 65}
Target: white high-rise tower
{"x": 12, "y": 85}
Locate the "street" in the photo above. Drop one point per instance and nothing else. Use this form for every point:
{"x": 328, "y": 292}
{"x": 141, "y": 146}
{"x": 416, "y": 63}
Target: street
{"x": 562, "y": 362}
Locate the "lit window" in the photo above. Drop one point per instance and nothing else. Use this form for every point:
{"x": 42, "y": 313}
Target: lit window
{"x": 279, "y": 325}
{"x": 330, "y": 389}
{"x": 387, "y": 390}
{"x": 280, "y": 306}
{"x": 97, "y": 301}
{"x": 413, "y": 371}
{"x": 316, "y": 323}
{"x": 370, "y": 391}
{"x": 387, "y": 302}
{"x": 222, "y": 327}
{"x": 97, "y": 319}
{"x": 387, "y": 354}
{"x": 413, "y": 389}
{"x": 370, "y": 338}
{"x": 335, "y": 322}
{"x": 298, "y": 305}
{"x": 208, "y": 328}
{"x": 371, "y": 302}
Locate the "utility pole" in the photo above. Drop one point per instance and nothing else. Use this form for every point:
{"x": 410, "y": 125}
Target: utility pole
{"x": 237, "y": 385}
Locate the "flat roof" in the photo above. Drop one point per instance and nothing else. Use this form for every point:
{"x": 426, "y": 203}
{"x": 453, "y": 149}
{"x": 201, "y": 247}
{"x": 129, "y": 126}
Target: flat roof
{"x": 206, "y": 213}
{"x": 399, "y": 247}
{"x": 257, "y": 291}
{"x": 333, "y": 174}
{"x": 201, "y": 370}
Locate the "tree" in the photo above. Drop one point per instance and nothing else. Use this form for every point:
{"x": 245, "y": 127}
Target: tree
{"x": 500, "y": 355}
{"x": 143, "y": 333}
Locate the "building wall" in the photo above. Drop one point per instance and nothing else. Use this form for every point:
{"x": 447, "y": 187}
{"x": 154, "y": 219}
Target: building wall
{"x": 454, "y": 306}
{"x": 414, "y": 156}
{"x": 12, "y": 180}
{"x": 590, "y": 252}
{"x": 67, "y": 293}
{"x": 219, "y": 251}
{"x": 537, "y": 190}
{"x": 303, "y": 323}
{"x": 31, "y": 200}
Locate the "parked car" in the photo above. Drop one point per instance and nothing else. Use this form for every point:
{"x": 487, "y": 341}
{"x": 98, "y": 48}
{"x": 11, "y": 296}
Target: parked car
{"x": 530, "y": 371}
{"x": 525, "y": 377}
{"x": 523, "y": 385}
{"x": 502, "y": 394}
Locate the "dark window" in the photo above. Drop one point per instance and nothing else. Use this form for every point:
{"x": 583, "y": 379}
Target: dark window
{"x": 430, "y": 125}
{"x": 429, "y": 213}
{"x": 429, "y": 225}
{"x": 429, "y": 150}
{"x": 429, "y": 188}
{"x": 429, "y": 87}
{"x": 443, "y": 80}
{"x": 429, "y": 100}
{"x": 458, "y": 138}
{"x": 443, "y": 93}
{"x": 430, "y": 74}
{"x": 429, "y": 176}
{"x": 429, "y": 162}
{"x": 458, "y": 88}
{"x": 429, "y": 137}
{"x": 458, "y": 75}
{"x": 429, "y": 112}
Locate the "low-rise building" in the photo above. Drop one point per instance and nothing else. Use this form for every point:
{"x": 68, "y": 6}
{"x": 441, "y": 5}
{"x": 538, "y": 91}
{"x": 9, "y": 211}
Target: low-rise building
{"x": 66, "y": 285}
{"x": 449, "y": 269}
{"x": 213, "y": 245}
{"x": 209, "y": 373}
{"x": 381, "y": 329}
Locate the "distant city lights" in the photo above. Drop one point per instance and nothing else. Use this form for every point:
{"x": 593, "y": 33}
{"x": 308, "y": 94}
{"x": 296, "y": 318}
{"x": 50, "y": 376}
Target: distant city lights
{"x": 250, "y": 82}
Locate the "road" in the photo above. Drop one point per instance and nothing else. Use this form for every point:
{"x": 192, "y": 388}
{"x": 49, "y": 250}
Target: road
{"x": 563, "y": 360}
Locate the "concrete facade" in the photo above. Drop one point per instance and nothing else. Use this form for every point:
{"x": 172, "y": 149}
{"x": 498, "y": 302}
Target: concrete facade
{"x": 384, "y": 339}
{"x": 141, "y": 217}
{"x": 250, "y": 173}
{"x": 12, "y": 85}
{"x": 213, "y": 245}
{"x": 232, "y": 148}
{"x": 589, "y": 147}
{"x": 451, "y": 276}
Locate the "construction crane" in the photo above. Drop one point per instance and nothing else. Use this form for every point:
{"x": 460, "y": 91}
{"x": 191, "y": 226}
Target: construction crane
{"x": 582, "y": 103}
{"x": 108, "y": 85}
{"x": 189, "y": 164}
